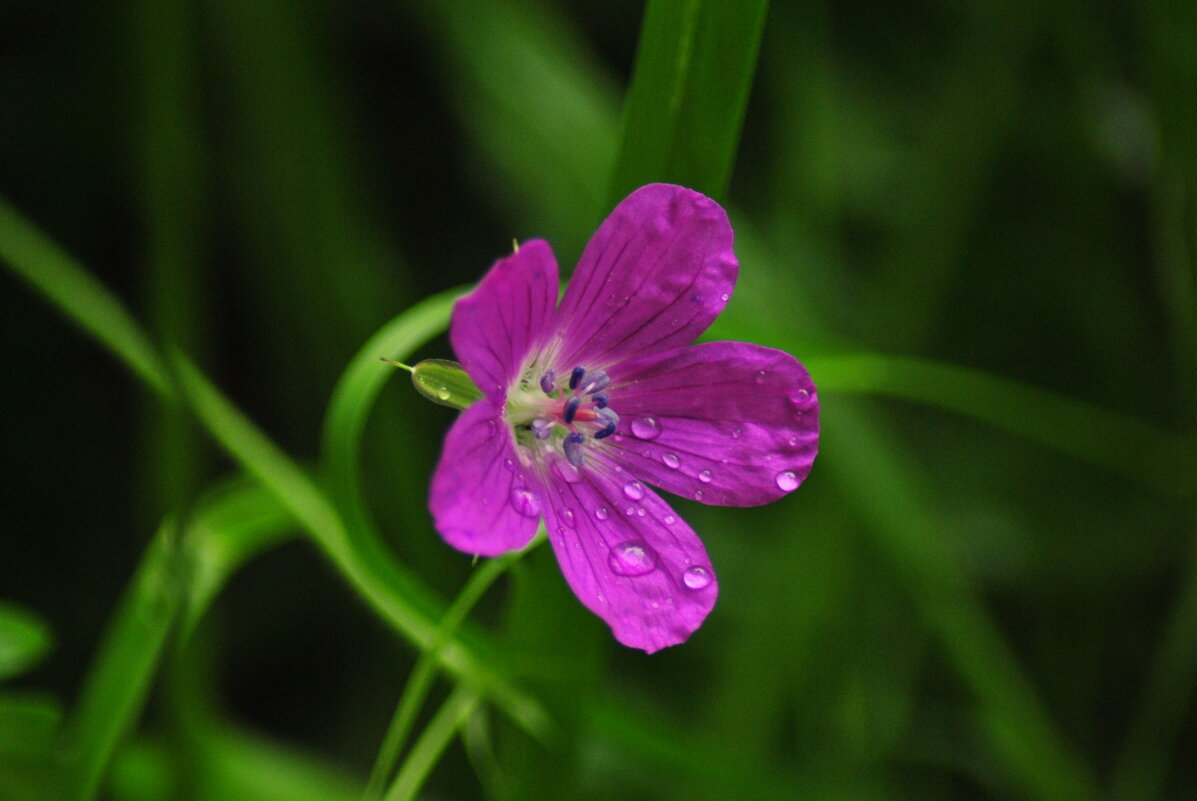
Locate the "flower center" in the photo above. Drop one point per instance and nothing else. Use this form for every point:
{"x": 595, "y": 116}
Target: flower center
{"x": 567, "y": 411}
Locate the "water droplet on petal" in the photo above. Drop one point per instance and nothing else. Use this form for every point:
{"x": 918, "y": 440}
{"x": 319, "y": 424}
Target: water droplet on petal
{"x": 601, "y": 513}
{"x": 524, "y": 454}
{"x": 787, "y": 481}
{"x": 443, "y": 393}
{"x": 669, "y": 520}
{"x": 634, "y": 490}
{"x": 724, "y": 297}
{"x": 524, "y": 501}
{"x": 567, "y": 516}
{"x": 646, "y": 427}
{"x": 631, "y": 510}
{"x": 510, "y": 465}
{"x": 698, "y": 495}
{"x": 640, "y": 511}
{"x": 671, "y": 461}
{"x": 632, "y": 558}
{"x": 793, "y": 441}
{"x": 696, "y": 578}
{"x": 736, "y": 433}
{"x": 492, "y": 428}
{"x": 705, "y": 476}
{"x": 760, "y": 377}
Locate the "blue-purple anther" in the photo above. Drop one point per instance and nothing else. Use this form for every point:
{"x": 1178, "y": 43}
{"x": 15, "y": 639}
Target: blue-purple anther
{"x": 595, "y": 381}
{"x": 576, "y": 376}
{"x": 611, "y": 420}
{"x": 542, "y": 427}
{"x": 573, "y": 448}
{"x": 571, "y": 409}
{"x": 548, "y": 382}
{"x": 600, "y": 400}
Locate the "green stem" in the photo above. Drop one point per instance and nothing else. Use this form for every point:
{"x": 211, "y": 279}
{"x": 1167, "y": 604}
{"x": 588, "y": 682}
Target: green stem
{"x": 420, "y": 681}
{"x": 460, "y": 704}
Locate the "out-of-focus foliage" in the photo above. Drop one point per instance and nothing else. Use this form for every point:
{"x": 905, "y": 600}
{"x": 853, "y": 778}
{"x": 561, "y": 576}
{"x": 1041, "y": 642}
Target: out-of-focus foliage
{"x": 977, "y": 223}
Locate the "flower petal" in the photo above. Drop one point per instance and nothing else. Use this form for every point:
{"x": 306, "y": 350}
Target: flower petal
{"x": 481, "y": 498}
{"x": 655, "y": 275}
{"x": 499, "y": 323}
{"x": 628, "y": 557}
{"x": 724, "y": 423}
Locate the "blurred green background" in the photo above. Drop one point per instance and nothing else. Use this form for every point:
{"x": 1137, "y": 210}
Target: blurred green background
{"x": 974, "y": 222}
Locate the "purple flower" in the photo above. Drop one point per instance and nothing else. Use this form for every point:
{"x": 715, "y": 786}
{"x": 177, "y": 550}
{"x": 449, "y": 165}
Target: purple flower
{"x": 588, "y": 401}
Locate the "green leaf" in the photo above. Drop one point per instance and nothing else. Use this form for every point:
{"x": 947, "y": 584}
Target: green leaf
{"x": 369, "y": 570}
{"x": 83, "y": 299}
{"x": 24, "y": 640}
{"x": 29, "y": 756}
{"x": 1139, "y": 451}
{"x": 685, "y": 108}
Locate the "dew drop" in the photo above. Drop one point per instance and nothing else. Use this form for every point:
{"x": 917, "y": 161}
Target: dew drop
{"x": 669, "y": 520}
{"x": 601, "y": 513}
{"x": 705, "y": 476}
{"x": 793, "y": 441}
{"x": 786, "y": 481}
{"x": 492, "y": 428}
{"x": 525, "y": 502}
{"x": 443, "y": 393}
{"x": 640, "y": 511}
{"x": 724, "y": 297}
{"x": 671, "y": 461}
{"x": 646, "y": 427}
{"x": 696, "y": 578}
{"x": 524, "y": 454}
{"x": 631, "y": 510}
{"x": 632, "y": 558}
{"x": 760, "y": 377}
{"x": 698, "y": 495}
{"x": 736, "y": 433}
{"x": 509, "y": 465}
{"x": 634, "y": 490}
{"x": 567, "y": 515}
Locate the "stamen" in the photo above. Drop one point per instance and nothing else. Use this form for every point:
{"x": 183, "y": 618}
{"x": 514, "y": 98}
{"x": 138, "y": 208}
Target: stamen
{"x": 571, "y": 409}
{"x": 541, "y": 428}
{"x": 607, "y": 415}
{"x": 573, "y": 448}
{"x": 548, "y": 382}
{"x": 576, "y": 376}
{"x": 595, "y": 382}
{"x": 606, "y": 432}
{"x": 600, "y": 401}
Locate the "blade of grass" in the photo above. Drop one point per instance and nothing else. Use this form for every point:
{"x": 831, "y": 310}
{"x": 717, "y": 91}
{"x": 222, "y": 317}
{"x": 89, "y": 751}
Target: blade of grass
{"x": 685, "y": 107}
{"x": 370, "y": 571}
{"x": 420, "y": 682}
{"x": 83, "y": 299}
{"x": 460, "y": 704}
{"x": 358, "y": 389}
{"x": 1141, "y": 452}
{"x": 116, "y": 687}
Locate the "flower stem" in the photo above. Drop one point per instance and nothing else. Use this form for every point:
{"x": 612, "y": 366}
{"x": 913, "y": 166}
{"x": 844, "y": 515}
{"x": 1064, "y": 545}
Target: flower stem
{"x": 394, "y": 363}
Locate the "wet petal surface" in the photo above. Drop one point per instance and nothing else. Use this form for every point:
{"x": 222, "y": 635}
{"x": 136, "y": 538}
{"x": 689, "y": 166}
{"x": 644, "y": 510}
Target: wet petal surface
{"x": 483, "y": 500}
{"x": 496, "y": 326}
{"x": 654, "y": 276}
{"x": 725, "y": 423}
{"x": 629, "y": 558}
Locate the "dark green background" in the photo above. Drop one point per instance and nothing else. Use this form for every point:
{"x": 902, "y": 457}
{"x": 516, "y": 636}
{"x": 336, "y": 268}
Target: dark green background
{"x": 987, "y": 587}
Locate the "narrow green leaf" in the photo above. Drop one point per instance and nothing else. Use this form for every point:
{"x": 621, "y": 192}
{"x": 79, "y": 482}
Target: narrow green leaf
{"x": 370, "y": 571}
{"x": 460, "y": 704}
{"x": 444, "y": 382}
{"x": 1141, "y": 452}
{"x": 30, "y": 768}
{"x": 116, "y": 687}
{"x": 685, "y": 108}
{"x": 83, "y": 299}
{"x": 24, "y": 640}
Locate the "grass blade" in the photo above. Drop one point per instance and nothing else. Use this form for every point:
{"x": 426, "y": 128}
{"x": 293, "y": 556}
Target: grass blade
{"x": 685, "y": 107}
{"x": 83, "y": 299}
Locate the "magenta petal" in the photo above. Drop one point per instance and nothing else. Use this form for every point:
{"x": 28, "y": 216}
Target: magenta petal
{"x": 654, "y": 276}
{"x": 725, "y": 423}
{"x": 499, "y": 323}
{"x": 481, "y": 499}
{"x": 629, "y": 558}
